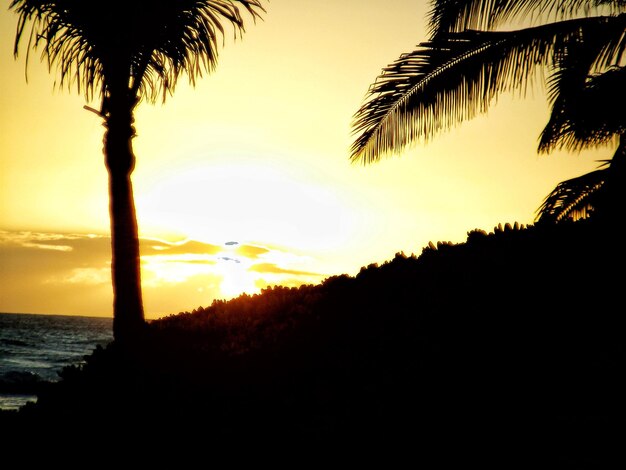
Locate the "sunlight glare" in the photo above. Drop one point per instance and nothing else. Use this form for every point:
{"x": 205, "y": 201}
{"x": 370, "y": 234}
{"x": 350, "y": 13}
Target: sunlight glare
{"x": 239, "y": 200}
{"x": 236, "y": 279}
{"x": 224, "y": 271}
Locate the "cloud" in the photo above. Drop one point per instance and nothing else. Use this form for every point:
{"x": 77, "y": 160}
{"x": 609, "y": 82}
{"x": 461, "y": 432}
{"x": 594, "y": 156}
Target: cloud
{"x": 209, "y": 262}
{"x": 66, "y": 251}
{"x": 189, "y": 247}
{"x": 23, "y": 237}
{"x": 55, "y": 273}
{"x": 270, "y": 268}
{"x": 67, "y": 273}
{"x": 251, "y": 251}
{"x": 86, "y": 276}
{"x": 44, "y": 246}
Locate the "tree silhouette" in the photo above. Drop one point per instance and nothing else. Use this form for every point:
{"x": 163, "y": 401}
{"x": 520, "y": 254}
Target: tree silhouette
{"x": 123, "y": 53}
{"x": 471, "y": 58}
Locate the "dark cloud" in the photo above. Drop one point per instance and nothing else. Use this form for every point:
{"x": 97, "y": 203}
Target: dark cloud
{"x": 231, "y": 243}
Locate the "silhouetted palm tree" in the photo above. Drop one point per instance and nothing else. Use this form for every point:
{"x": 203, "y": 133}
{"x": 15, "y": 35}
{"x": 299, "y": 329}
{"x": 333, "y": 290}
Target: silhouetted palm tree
{"x": 121, "y": 53}
{"x": 471, "y": 58}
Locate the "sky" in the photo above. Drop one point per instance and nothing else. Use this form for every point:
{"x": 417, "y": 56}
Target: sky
{"x": 244, "y": 181}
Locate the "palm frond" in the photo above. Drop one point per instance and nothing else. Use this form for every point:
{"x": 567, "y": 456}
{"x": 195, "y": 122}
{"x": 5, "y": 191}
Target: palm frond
{"x": 589, "y": 115}
{"x": 453, "y": 78}
{"x": 188, "y": 44}
{"x": 585, "y": 91}
{"x": 153, "y": 41}
{"x": 573, "y": 199}
{"x": 458, "y": 15}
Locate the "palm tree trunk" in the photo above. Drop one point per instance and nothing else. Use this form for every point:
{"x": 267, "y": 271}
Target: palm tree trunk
{"x": 128, "y": 315}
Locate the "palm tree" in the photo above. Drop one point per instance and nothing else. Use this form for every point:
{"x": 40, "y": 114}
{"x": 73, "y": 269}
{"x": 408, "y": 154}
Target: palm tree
{"x": 471, "y": 58}
{"x": 123, "y": 53}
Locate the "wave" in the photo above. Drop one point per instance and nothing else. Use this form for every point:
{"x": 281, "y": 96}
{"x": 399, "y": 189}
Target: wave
{"x": 13, "y": 342}
{"x": 35, "y": 348}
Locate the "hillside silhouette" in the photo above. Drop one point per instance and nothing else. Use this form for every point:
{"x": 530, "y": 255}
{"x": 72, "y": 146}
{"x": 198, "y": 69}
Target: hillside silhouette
{"x": 508, "y": 347}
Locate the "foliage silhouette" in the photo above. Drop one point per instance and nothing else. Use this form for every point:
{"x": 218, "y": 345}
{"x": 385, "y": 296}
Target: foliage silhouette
{"x": 487, "y": 350}
{"x": 471, "y": 58}
{"x": 122, "y": 54}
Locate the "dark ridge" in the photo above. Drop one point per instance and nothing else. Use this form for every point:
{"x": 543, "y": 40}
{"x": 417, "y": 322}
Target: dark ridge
{"x": 505, "y": 349}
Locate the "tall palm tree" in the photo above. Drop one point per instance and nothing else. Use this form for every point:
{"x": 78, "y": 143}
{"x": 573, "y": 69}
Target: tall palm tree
{"x": 122, "y": 53}
{"x": 473, "y": 55}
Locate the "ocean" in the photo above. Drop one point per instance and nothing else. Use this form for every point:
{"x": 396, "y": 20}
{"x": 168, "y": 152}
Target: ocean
{"x": 35, "y": 348}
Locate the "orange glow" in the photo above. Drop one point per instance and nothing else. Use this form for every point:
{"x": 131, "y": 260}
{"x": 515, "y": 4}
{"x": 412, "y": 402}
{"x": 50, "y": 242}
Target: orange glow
{"x": 226, "y": 271}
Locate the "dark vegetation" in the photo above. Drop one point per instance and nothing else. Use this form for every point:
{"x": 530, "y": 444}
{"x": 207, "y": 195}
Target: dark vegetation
{"x": 506, "y": 348}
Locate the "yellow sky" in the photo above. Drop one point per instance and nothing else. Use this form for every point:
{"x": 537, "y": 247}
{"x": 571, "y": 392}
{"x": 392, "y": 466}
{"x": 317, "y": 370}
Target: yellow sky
{"x": 256, "y": 154}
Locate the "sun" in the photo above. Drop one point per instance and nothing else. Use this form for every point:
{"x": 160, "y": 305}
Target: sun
{"x": 234, "y": 269}
{"x": 236, "y": 279}
{"x": 220, "y": 200}
{"x": 225, "y": 271}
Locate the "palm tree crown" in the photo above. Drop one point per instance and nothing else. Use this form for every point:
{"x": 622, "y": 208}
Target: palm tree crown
{"x": 152, "y": 42}
{"x": 472, "y": 57}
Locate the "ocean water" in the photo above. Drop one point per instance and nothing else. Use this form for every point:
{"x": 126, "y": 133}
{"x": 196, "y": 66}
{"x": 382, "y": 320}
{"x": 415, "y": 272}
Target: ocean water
{"x": 35, "y": 348}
